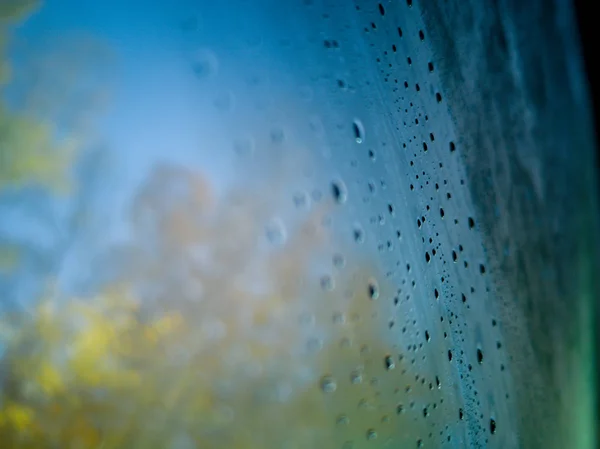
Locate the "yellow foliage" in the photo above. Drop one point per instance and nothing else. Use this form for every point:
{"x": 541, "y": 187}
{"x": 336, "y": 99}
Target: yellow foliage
{"x": 230, "y": 364}
{"x": 50, "y": 379}
{"x": 18, "y": 416}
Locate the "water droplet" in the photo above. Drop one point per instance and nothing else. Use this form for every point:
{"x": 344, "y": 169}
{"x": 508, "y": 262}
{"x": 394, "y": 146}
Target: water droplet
{"x": 338, "y": 318}
{"x": 373, "y": 289}
{"x": 314, "y": 344}
{"x": 204, "y": 63}
{"x": 301, "y": 200}
{"x": 371, "y": 434}
{"x": 389, "y": 362}
{"x": 339, "y": 261}
{"x": 359, "y": 131}
{"x": 343, "y": 420}
{"x": 307, "y": 319}
{"x": 327, "y": 283}
{"x": 356, "y": 377}
{"x": 358, "y": 234}
{"x": 493, "y": 426}
{"x": 275, "y": 232}
{"x": 328, "y": 384}
{"x": 339, "y": 191}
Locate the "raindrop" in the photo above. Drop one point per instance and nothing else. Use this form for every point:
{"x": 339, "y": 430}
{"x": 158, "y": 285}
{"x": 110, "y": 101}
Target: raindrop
{"x": 371, "y": 434}
{"x": 338, "y": 318}
{"x": 479, "y": 356}
{"x": 359, "y": 131}
{"x": 389, "y": 362}
{"x": 359, "y": 234}
{"x": 356, "y": 377}
{"x": 204, "y": 64}
{"x": 339, "y": 261}
{"x": 343, "y": 420}
{"x": 373, "y": 289}
{"x": 339, "y": 191}
{"x": 300, "y": 200}
{"x": 327, "y": 283}
{"x": 328, "y": 384}
{"x": 275, "y": 232}
{"x": 314, "y": 344}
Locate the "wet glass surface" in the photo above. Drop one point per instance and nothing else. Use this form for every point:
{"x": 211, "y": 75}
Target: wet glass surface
{"x": 289, "y": 224}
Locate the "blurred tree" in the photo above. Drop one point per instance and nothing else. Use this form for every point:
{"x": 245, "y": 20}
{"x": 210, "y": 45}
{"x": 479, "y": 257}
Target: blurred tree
{"x": 218, "y": 337}
{"x": 28, "y": 148}
{"x": 45, "y": 140}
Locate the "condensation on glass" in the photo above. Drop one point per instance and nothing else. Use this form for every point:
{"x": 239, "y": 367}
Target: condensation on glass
{"x": 291, "y": 224}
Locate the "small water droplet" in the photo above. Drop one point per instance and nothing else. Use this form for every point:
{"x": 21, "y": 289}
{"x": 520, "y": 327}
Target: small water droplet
{"x": 204, "y": 63}
{"x": 343, "y": 420}
{"x": 359, "y": 131}
{"x": 389, "y": 362}
{"x": 371, "y": 434}
{"x": 328, "y": 384}
{"x": 338, "y": 318}
{"x": 314, "y": 344}
{"x": 373, "y": 289}
{"x": 307, "y": 319}
{"x": 339, "y": 261}
{"x": 339, "y": 191}
{"x": 301, "y": 200}
{"x": 275, "y": 232}
{"x": 356, "y": 377}
{"x": 327, "y": 283}
{"x": 358, "y": 234}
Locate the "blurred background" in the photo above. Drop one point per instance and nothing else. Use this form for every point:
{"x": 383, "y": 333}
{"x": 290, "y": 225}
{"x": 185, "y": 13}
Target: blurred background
{"x": 265, "y": 224}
